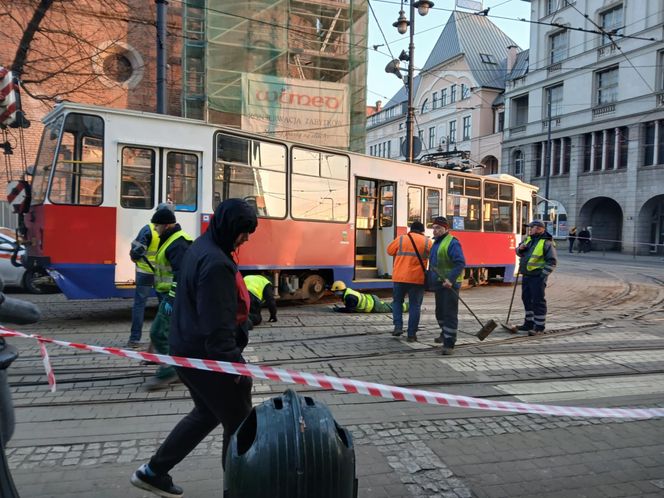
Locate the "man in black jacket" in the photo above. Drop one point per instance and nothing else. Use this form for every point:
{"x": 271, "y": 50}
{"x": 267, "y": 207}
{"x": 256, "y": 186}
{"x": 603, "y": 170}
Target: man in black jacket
{"x": 209, "y": 321}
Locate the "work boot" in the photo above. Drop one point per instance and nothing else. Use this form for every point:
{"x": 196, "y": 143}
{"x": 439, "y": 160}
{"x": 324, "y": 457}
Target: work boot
{"x": 447, "y": 350}
{"x": 438, "y": 340}
{"x": 526, "y": 327}
{"x": 537, "y": 331}
{"x": 154, "y": 383}
{"x": 397, "y": 332}
{"x": 159, "y": 485}
{"x": 411, "y": 338}
{"x": 135, "y": 345}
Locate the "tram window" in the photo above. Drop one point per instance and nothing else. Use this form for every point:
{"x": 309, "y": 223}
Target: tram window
{"x": 386, "y": 206}
{"x": 464, "y": 203}
{"x": 137, "y": 190}
{"x": 506, "y": 193}
{"x": 498, "y": 216}
{"x": 319, "y": 185}
{"x": 182, "y": 180}
{"x": 490, "y": 190}
{"x": 44, "y": 162}
{"x": 433, "y": 206}
{"x": 414, "y": 204}
{"x": 78, "y": 175}
{"x": 251, "y": 170}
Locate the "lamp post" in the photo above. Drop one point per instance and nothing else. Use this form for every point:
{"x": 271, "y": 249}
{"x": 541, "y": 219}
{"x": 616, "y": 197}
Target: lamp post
{"x": 547, "y": 171}
{"x": 402, "y": 24}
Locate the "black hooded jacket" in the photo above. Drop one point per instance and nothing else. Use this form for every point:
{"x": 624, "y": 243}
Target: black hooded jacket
{"x": 204, "y": 323}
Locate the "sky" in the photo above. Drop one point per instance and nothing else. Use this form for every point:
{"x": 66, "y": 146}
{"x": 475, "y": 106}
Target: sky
{"x": 382, "y": 86}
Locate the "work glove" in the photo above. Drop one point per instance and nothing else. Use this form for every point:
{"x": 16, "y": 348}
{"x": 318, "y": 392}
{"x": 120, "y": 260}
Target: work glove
{"x": 167, "y": 308}
{"x": 272, "y": 319}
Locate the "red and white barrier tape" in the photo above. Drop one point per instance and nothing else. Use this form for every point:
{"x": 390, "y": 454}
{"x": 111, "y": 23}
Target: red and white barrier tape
{"x": 341, "y": 384}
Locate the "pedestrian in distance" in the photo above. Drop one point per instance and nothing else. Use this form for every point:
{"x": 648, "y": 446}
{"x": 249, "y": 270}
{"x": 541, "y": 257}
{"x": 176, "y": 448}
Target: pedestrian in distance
{"x": 143, "y": 253}
{"x": 537, "y": 259}
{"x": 209, "y": 322}
{"x": 584, "y": 240}
{"x": 173, "y": 244}
{"x": 410, "y": 252}
{"x": 261, "y": 292}
{"x": 571, "y": 238}
{"x": 447, "y": 264}
{"x": 358, "y": 302}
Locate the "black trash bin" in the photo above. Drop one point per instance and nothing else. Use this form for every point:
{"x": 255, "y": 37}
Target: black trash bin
{"x": 290, "y": 447}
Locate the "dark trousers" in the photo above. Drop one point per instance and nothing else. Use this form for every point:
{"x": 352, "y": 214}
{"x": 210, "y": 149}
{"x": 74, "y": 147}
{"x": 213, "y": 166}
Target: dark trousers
{"x": 447, "y": 314}
{"x": 532, "y": 294}
{"x": 218, "y": 399}
{"x": 571, "y": 245}
{"x": 255, "y": 310}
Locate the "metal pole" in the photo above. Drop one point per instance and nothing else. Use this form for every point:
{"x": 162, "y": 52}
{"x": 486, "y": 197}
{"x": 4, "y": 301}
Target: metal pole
{"x": 548, "y": 161}
{"x": 162, "y": 97}
{"x": 410, "y": 118}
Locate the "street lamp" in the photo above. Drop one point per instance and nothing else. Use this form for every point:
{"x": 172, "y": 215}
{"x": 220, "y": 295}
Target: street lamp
{"x": 402, "y": 24}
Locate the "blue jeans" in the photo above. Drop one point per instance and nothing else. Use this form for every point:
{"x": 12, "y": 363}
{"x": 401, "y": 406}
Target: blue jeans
{"x": 415, "y": 296}
{"x": 144, "y": 285}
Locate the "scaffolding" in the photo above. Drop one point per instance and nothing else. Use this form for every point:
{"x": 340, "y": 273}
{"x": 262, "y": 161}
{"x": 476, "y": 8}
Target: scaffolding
{"x": 317, "y": 45}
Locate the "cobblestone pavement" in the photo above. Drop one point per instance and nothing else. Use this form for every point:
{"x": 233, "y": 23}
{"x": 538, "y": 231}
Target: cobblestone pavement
{"x": 604, "y": 349}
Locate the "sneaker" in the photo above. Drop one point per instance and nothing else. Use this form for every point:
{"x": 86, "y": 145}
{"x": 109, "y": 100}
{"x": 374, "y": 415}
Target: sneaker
{"x": 411, "y": 338}
{"x": 154, "y": 383}
{"x": 438, "y": 340}
{"x": 135, "y": 345}
{"x": 526, "y": 327}
{"x": 159, "y": 485}
{"x": 397, "y": 332}
{"x": 447, "y": 350}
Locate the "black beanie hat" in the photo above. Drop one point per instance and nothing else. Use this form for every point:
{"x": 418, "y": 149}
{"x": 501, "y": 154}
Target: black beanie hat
{"x": 417, "y": 227}
{"x": 163, "y": 217}
{"x": 441, "y": 220}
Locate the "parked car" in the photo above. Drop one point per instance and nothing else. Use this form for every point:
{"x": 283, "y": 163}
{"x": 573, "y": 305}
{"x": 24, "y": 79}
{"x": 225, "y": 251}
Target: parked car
{"x": 35, "y": 281}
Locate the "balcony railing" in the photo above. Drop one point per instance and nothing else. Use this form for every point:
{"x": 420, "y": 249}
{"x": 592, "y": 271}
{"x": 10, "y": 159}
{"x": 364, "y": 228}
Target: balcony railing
{"x": 604, "y": 109}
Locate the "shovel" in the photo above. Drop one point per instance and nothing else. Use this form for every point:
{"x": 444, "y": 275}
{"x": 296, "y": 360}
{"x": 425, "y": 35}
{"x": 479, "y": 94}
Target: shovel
{"x": 512, "y": 329}
{"x": 487, "y": 327}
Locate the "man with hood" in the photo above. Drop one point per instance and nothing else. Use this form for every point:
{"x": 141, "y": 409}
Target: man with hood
{"x": 538, "y": 259}
{"x": 210, "y": 322}
{"x": 173, "y": 244}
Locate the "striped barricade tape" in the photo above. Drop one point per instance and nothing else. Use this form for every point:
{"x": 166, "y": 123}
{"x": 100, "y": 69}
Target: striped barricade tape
{"x": 340, "y": 384}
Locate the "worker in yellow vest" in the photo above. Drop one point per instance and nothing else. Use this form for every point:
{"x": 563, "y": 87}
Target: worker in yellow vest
{"x": 358, "y": 302}
{"x": 261, "y": 292}
{"x": 143, "y": 252}
{"x": 173, "y": 244}
{"x": 537, "y": 259}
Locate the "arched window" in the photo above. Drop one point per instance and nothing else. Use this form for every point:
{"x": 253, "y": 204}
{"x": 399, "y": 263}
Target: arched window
{"x": 517, "y": 159}
{"x": 425, "y": 106}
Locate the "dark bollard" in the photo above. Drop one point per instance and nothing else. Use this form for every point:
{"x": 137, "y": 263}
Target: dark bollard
{"x": 290, "y": 447}
{"x": 21, "y": 312}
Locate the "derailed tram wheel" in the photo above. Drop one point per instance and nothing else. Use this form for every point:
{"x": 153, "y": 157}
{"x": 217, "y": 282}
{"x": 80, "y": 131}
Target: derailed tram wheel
{"x": 313, "y": 288}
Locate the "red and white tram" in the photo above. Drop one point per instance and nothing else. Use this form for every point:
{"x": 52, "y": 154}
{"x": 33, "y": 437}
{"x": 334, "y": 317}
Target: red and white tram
{"x": 324, "y": 214}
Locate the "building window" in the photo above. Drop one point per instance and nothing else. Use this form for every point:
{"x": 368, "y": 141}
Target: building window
{"x": 538, "y": 158}
{"x": 612, "y": 22}
{"x": 567, "y": 154}
{"x": 452, "y": 138}
{"x": 425, "y": 106}
{"x": 554, "y": 96}
{"x": 501, "y": 121}
{"x": 660, "y": 71}
{"x": 587, "y": 151}
{"x": 420, "y": 134}
{"x": 488, "y": 58}
{"x": 453, "y": 94}
{"x": 443, "y": 97}
{"x": 389, "y": 149}
{"x": 517, "y": 159}
{"x": 623, "y": 146}
{"x": 432, "y": 137}
{"x": 649, "y": 144}
{"x": 554, "y": 154}
{"x": 598, "y": 150}
{"x": 401, "y": 146}
{"x": 607, "y": 86}
{"x": 435, "y": 100}
{"x": 466, "y": 128}
{"x": 610, "y": 148}
{"x": 465, "y": 92}
{"x": 557, "y": 47}
{"x": 520, "y": 111}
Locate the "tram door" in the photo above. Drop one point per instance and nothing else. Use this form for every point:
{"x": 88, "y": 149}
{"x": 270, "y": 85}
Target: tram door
{"x": 149, "y": 176}
{"x": 374, "y": 227}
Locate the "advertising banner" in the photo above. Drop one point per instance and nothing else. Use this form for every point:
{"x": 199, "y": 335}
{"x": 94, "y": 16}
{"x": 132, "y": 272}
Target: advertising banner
{"x": 312, "y": 112}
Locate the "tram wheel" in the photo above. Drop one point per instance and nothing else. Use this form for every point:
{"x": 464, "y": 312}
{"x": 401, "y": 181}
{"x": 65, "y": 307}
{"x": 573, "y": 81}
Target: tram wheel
{"x": 313, "y": 288}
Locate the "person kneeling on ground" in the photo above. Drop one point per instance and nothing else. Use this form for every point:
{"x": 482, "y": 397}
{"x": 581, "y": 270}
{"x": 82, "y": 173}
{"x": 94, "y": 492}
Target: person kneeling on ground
{"x": 357, "y": 302}
{"x": 261, "y": 292}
